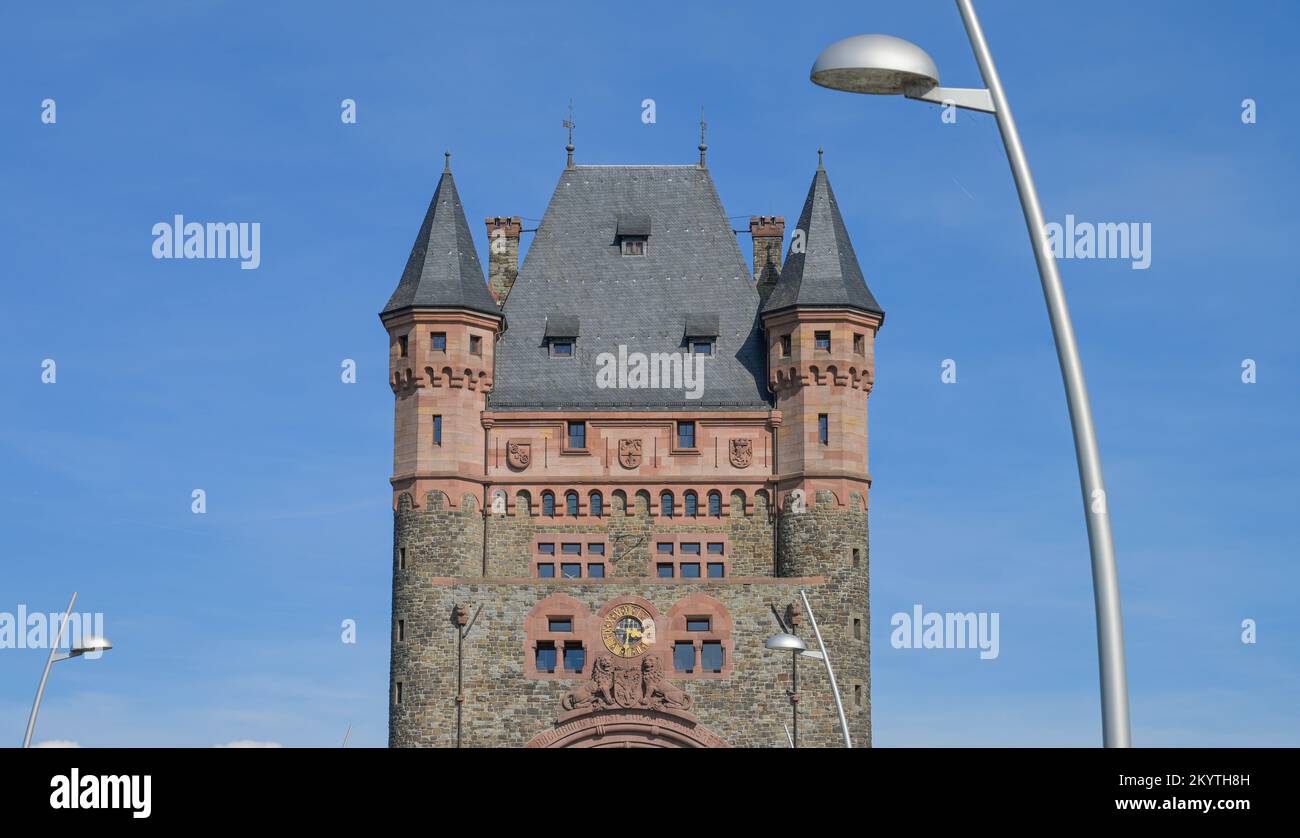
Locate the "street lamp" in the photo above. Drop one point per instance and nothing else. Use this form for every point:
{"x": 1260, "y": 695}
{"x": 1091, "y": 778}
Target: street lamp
{"x": 783, "y": 642}
{"x": 882, "y": 64}
{"x": 87, "y": 645}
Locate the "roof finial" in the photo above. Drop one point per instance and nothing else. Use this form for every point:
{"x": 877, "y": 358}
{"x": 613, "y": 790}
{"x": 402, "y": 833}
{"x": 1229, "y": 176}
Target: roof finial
{"x": 446, "y": 162}
{"x": 703, "y": 147}
{"x": 820, "y": 167}
{"x": 569, "y": 123}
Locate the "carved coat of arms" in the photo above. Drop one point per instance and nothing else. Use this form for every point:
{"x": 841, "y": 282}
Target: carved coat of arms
{"x": 519, "y": 455}
{"x": 742, "y": 452}
{"x": 629, "y": 453}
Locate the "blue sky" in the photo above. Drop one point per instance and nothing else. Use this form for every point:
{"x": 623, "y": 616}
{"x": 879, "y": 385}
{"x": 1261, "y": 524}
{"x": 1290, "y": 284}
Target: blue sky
{"x": 176, "y": 375}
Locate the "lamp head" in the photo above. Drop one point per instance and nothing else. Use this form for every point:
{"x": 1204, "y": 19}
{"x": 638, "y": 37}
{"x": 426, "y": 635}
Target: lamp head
{"x": 783, "y": 642}
{"x": 90, "y": 645}
{"x": 880, "y": 64}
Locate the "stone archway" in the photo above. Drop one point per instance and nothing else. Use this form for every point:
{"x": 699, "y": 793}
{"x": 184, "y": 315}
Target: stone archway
{"x": 627, "y": 728}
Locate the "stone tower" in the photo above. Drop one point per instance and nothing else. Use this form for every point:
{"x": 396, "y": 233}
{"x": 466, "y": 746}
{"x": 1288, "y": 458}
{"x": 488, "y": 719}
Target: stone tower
{"x": 820, "y": 323}
{"x": 442, "y": 326}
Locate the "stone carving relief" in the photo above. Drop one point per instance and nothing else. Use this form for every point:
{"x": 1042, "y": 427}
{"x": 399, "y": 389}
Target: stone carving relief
{"x": 519, "y": 455}
{"x": 626, "y": 686}
{"x": 629, "y": 453}
{"x": 796, "y": 502}
{"x": 499, "y": 502}
{"x": 742, "y": 452}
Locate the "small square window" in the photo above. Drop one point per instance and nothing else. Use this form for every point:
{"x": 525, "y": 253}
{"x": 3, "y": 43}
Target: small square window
{"x": 547, "y": 549}
{"x": 859, "y": 344}
{"x": 440, "y": 341}
{"x": 475, "y": 345}
{"x": 632, "y": 246}
{"x": 690, "y": 548}
{"x": 699, "y": 624}
{"x": 596, "y": 570}
{"x": 577, "y": 434}
{"x": 665, "y": 548}
{"x": 702, "y": 347}
{"x": 715, "y": 548}
{"x": 559, "y": 623}
{"x": 711, "y": 656}
{"x": 685, "y": 434}
{"x": 716, "y": 570}
{"x": 665, "y": 570}
{"x": 785, "y": 346}
{"x": 437, "y": 430}
{"x": 575, "y": 657}
{"x": 595, "y": 549}
{"x": 561, "y": 349}
{"x": 401, "y": 346}
{"x": 571, "y": 571}
{"x": 545, "y": 656}
{"x": 822, "y": 341}
{"x": 690, "y": 570}
{"x": 546, "y": 570}
{"x": 571, "y": 549}
{"x": 684, "y": 656}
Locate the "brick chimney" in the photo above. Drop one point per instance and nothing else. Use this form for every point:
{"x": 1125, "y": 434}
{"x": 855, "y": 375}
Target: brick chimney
{"x": 503, "y": 254}
{"x": 768, "y": 231}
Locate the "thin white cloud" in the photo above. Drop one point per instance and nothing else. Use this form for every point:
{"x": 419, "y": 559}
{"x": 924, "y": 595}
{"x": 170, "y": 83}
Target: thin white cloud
{"x": 249, "y": 743}
{"x": 57, "y": 743}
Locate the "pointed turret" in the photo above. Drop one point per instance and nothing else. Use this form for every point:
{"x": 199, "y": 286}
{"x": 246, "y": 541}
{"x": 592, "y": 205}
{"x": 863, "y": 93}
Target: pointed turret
{"x": 443, "y": 271}
{"x": 821, "y": 270}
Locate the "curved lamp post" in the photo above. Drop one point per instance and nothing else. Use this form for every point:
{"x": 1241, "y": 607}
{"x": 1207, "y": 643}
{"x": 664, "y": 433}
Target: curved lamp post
{"x": 882, "y": 64}
{"x": 784, "y": 642}
{"x": 87, "y": 645}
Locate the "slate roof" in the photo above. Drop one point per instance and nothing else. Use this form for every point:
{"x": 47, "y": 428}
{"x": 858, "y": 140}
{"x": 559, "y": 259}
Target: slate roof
{"x": 443, "y": 270}
{"x": 826, "y": 274}
{"x": 574, "y": 268}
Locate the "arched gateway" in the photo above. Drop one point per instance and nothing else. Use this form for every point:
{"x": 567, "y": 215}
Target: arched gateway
{"x": 626, "y": 706}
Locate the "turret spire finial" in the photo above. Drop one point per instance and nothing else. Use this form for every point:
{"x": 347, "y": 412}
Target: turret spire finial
{"x": 446, "y": 162}
{"x": 820, "y": 152}
{"x": 570, "y": 124}
{"x": 703, "y": 147}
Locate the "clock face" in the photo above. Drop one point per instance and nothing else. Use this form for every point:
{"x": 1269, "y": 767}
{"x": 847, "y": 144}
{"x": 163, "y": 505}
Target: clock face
{"x": 628, "y": 631}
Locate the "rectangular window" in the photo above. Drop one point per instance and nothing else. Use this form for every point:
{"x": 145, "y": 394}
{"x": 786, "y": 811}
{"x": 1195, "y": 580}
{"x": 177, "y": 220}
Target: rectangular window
{"x": 596, "y": 570}
{"x": 699, "y": 624}
{"x": 857, "y": 557}
{"x": 575, "y": 657}
{"x": 571, "y": 549}
{"x": 716, "y": 570}
{"x": 437, "y": 430}
{"x": 857, "y": 695}
{"x": 785, "y": 346}
{"x": 571, "y": 571}
{"x": 690, "y": 570}
{"x": 665, "y": 570}
{"x": 561, "y": 349}
{"x": 685, "y": 434}
{"x": 546, "y": 549}
{"x": 859, "y": 344}
{"x": 690, "y": 549}
{"x": 715, "y": 548}
{"x": 397, "y": 693}
{"x": 546, "y": 571}
{"x": 711, "y": 656}
{"x": 857, "y": 628}
{"x": 440, "y": 341}
{"x": 401, "y": 558}
{"x": 475, "y": 345}
{"x": 577, "y": 434}
{"x": 559, "y": 623}
{"x": 401, "y": 346}
{"x": 822, "y": 341}
{"x": 684, "y": 656}
{"x": 633, "y": 247}
{"x": 596, "y": 549}
{"x": 401, "y": 630}
{"x": 823, "y": 428}
{"x": 545, "y": 656}
{"x": 665, "y": 548}
{"x": 702, "y": 347}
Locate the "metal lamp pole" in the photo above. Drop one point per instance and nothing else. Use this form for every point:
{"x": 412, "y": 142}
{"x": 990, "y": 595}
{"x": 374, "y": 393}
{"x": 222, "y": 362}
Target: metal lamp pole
{"x": 882, "y": 64}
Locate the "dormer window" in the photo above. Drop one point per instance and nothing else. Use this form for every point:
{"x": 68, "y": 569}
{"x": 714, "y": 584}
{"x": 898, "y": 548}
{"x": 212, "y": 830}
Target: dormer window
{"x": 561, "y": 333}
{"x": 701, "y": 332}
{"x": 632, "y": 232}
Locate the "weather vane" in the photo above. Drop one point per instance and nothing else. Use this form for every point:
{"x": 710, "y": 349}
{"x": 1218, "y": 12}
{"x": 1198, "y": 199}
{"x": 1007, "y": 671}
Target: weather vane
{"x": 570, "y": 124}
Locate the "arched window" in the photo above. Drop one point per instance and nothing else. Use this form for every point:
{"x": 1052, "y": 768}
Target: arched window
{"x": 715, "y": 504}
{"x": 571, "y": 504}
{"x": 692, "y": 505}
{"x": 548, "y": 504}
{"x": 666, "y": 504}
{"x": 596, "y": 504}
